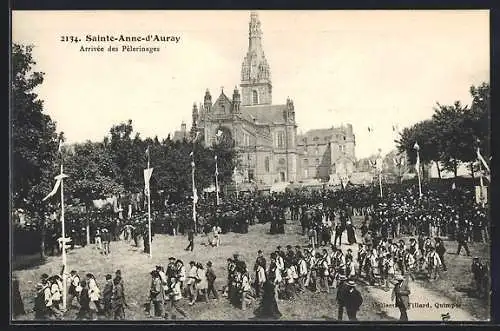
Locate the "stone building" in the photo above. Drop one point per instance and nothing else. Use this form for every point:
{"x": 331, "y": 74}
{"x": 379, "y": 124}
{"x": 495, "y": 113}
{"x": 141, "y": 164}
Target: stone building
{"x": 265, "y": 134}
{"x": 327, "y": 154}
{"x": 181, "y": 134}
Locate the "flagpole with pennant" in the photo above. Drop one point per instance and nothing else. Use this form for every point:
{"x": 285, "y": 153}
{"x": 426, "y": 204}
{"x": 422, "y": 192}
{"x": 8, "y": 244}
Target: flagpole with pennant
{"x": 147, "y": 176}
{"x": 482, "y": 162}
{"x": 417, "y": 168}
{"x": 218, "y": 136}
{"x": 217, "y": 180}
{"x": 195, "y": 193}
{"x": 60, "y": 182}
{"x": 380, "y": 167}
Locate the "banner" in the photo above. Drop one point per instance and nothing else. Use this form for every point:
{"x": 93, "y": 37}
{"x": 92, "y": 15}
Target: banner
{"x": 147, "y": 177}
{"x": 379, "y": 164}
{"x": 481, "y": 194}
{"x": 56, "y": 186}
{"x": 483, "y": 161}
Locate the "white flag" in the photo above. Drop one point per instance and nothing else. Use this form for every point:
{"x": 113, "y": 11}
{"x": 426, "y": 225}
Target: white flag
{"x": 417, "y": 164}
{"x": 147, "y": 177}
{"x": 59, "y": 148}
{"x": 195, "y": 195}
{"x": 58, "y": 179}
{"x": 483, "y": 161}
{"x": 380, "y": 164}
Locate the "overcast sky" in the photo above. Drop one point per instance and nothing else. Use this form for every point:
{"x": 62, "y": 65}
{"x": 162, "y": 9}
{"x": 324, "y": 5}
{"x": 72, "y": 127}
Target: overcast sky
{"x": 367, "y": 68}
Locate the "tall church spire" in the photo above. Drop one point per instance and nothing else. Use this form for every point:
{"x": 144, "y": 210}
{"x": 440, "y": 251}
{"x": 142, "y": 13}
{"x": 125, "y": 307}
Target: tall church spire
{"x": 255, "y": 72}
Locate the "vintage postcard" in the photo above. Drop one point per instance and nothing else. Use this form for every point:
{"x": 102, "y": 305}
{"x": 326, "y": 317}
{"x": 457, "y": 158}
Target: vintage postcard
{"x": 250, "y": 165}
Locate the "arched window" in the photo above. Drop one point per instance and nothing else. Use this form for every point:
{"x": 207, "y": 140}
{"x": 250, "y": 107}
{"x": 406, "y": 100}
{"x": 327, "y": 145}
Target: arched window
{"x": 306, "y": 163}
{"x": 266, "y": 164}
{"x": 255, "y": 98}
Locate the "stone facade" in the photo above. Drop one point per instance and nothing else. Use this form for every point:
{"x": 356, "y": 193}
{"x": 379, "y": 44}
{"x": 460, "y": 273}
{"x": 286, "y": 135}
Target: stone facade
{"x": 265, "y": 135}
{"x": 327, "y": 154}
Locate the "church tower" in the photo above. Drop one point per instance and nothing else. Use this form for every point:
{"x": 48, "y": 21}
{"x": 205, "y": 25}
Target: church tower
{"x": 256, "y": 87}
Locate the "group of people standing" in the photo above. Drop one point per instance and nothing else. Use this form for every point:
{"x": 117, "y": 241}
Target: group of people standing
{"x": 90, "y": 300}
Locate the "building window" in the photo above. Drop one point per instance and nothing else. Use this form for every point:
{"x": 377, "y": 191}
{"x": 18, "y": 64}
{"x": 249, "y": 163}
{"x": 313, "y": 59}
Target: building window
{"x": 251, "y": 175}
{"x": 344, "y": 137}
{"x": 281, "y": 161}
{"x": 255, "y": 98}
{"x": 280, "y": 139}
{"x": 306, "y": 173}
{"x": 315, "y": 139}
{"x": 266, "y": 163}
{"x": 306, "y": 162}
{"x": 317, "y": 161}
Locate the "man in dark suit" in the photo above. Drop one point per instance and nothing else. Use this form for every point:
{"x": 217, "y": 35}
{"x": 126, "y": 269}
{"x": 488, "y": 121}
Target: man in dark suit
{"x": 401, "y": 293}
{"x": 341, "y": 288}
{"x": 352, "y": 300}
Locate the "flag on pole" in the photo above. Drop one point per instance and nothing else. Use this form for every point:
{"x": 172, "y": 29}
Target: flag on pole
{"x": 196, "y": 137}
{"x": 59, "y": 148}
{"x": 147, "y": 177}
{"x": 379, "y": 164}
{"x": 370, "y": 129}
{"x": 195, "y": 195}
{"x": 417, "y": 164}
{"x": 58, "y": 179}
{"x": 483, "y": 161}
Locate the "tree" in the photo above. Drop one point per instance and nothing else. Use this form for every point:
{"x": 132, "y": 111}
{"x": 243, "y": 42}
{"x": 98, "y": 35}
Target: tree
{"x": 455, "y": 133}
{"x": 34, "y": 140}
{"x": 34, "y": 137}
{"x": 93, "y": 173}
{"x": 128, "y": 156}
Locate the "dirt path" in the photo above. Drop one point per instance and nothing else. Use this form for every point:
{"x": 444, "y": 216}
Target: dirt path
{"x": 426, "y": 305}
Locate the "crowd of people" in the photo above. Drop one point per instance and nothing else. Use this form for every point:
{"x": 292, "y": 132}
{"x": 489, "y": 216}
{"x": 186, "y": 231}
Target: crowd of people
{"x": 379, "y": 257}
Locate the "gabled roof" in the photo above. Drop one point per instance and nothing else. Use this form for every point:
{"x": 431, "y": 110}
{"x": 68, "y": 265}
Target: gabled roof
{"x": 264, "y": 114}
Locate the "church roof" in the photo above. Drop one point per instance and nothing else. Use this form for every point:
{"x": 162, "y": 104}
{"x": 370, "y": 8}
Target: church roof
{"x": 264, "y": 114}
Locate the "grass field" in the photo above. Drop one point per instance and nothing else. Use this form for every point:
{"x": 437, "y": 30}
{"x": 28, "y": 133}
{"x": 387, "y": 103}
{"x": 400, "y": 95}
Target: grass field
{"x": 135, "y": 267}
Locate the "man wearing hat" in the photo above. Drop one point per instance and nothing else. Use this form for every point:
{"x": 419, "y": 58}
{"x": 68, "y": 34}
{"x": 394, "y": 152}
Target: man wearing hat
{"x": 352, "y": 300}
{"x": 341, "y": 289}
{"x": 210, "y": 274}
{"x": 478, "y": 270}
{"x": 401, "y": 295}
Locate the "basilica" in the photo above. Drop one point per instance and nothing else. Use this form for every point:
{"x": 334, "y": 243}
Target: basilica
{"x": 265, "y": 134}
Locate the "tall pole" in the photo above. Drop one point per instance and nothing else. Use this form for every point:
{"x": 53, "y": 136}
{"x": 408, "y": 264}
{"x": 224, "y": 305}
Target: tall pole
{"x": 418, "y": 174}
{"x": 217, "y": 180}
{"x": 481, "y": 183}
{"x": 63, "y": 240}
{"x": 194, "y": 195}
{"x": 380, "y": 183}
{"x": 149, "y": 214}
